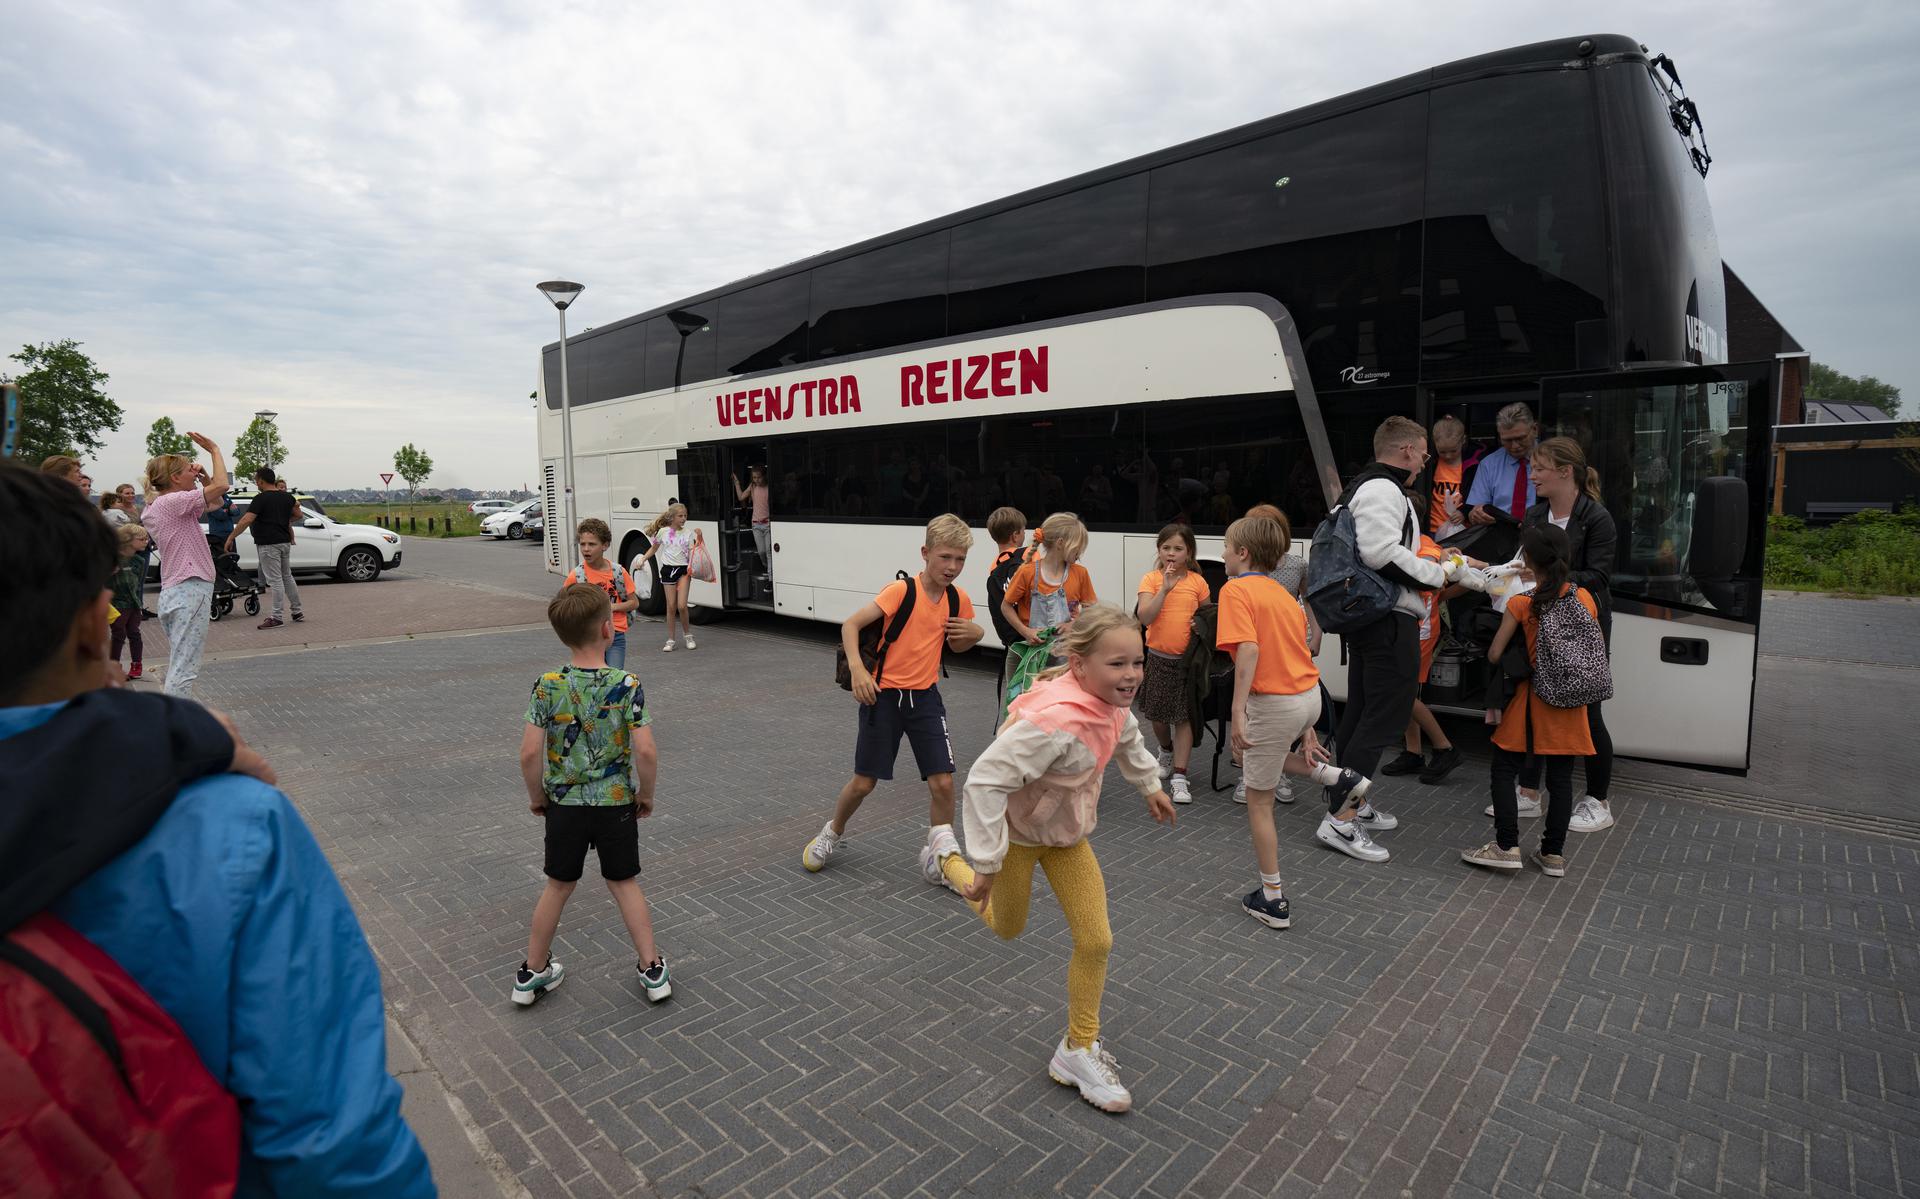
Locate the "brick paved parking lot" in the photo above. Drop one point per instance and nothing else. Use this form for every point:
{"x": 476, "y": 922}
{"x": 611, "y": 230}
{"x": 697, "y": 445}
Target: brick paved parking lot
{"x": 1715, "y": 1001}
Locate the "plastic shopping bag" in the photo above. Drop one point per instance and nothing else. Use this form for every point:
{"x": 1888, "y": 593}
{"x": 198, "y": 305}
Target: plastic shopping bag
{"x": 1028, "y": 661}
{"x": 700, "y": 563}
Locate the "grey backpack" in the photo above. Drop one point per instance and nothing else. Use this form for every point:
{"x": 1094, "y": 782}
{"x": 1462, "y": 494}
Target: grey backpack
{"x": 1570, "y": 667}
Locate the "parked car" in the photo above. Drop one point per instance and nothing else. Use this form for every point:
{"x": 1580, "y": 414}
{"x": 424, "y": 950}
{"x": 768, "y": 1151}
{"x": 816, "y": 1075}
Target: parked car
{"x": 486, "y": 508}
{"x": 511, "y": 524}
{"x": 355, "y": 553}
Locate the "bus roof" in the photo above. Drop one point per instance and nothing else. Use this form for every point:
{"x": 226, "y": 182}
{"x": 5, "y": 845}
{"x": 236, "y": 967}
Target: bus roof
{"x": 1537, "y": 56}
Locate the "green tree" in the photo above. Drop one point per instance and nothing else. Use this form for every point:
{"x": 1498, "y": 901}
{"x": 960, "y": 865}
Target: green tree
{"x": 163, "y": 438}
{"x": 1835, "y": 388}
{"x": 412, "y": 465}
{"x": 62, "y": 407}
{"x": 259, "y": 446}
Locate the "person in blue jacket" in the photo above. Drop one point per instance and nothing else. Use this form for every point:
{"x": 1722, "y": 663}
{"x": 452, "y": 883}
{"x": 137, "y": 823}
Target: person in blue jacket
{"x": 122, "y": 819}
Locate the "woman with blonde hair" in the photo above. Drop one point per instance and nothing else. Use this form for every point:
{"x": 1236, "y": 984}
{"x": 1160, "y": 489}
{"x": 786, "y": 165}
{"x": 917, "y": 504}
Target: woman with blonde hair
{"x": 1032, "y": 799}
{"x": 675, "y": 545}
{"x": 179, "y": 493}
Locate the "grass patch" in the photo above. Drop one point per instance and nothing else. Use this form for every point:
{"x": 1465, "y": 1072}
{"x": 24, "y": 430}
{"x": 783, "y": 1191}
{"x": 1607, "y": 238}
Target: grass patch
{"x": 449, "y": 520}
{"x": 1868, "y": 553}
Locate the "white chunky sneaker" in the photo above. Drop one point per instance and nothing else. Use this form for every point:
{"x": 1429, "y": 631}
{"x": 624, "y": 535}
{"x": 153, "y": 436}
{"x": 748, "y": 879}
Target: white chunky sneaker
{"x": 1528, "y": 808}
{"x": 1094, "y": 1071}
{"x": 1350, "y": 839}
{"x": 529, "y": 985}
{"x": 1166, "y": 763}
{"x": 818, "y": 850}
{"x": 691, "y": 643}
{"x": 1179, "y": 790}
{"x": 940, "y": 843}
{"x": 1376, "y": 820}
{"x": 1590, "y": 815}
{"x": 668, "y": 647}
{"x": 1240, "y": 790}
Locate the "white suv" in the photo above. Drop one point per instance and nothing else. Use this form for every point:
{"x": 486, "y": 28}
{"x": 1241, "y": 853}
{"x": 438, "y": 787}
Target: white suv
{"x": 355, "y": 553}
{"x": 486, "y": 508}
{"x": 511, "y": 524}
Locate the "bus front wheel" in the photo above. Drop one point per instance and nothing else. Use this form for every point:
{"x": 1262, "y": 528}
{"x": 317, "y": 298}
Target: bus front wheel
{"x": 646, "y": 577}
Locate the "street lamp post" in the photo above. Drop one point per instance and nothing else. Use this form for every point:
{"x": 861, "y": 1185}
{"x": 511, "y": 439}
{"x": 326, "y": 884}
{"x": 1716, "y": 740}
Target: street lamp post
{"x": 562, "y": 294}
{"x": 269, "y": 415}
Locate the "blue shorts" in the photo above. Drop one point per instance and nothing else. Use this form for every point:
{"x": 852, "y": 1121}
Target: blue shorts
{"x": 921, "y": 716}
{"x": 617, "y": 652}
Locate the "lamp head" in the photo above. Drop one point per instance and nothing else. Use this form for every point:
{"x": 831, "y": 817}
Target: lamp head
{"x": 561, "y": 292}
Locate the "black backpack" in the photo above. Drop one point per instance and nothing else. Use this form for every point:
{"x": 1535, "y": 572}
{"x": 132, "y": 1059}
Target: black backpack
{"x": 998, "y": 580}
{"x": 873, "y": 646}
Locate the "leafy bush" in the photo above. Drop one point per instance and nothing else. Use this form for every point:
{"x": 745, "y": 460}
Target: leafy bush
{"x": 1868, "y": 553}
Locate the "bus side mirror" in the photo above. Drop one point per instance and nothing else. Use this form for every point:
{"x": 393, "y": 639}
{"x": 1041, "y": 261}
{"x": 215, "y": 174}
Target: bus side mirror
{"x": 1719, "y": 539}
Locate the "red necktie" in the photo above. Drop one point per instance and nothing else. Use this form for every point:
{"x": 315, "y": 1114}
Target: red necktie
{"x": 1520, "y": 492}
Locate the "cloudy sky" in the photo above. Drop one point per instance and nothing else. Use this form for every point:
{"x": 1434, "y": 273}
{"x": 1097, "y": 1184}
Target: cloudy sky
{"x": 339, "y": 210}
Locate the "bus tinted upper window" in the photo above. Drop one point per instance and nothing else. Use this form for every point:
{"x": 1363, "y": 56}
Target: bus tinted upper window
{"x": 892, "y": 296}
{"x": 1081, "y": 252}
{"x": 617, "y": 364}
{"x": 1516, "y": 256}
{"x": 1324, "y": 219}
{"x": 671, "y": 363}
{"x": 763, "y": 327}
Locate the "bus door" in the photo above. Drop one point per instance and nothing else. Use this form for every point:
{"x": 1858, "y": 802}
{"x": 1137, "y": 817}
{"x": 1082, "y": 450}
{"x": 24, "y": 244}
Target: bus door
{"x": 745, "y": 580}
{"x": 1682, "y": 456}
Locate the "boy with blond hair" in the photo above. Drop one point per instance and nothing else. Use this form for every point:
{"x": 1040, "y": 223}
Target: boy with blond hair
{"x": 900, "y": 696}
{"x": 1276, "y": 698}
{"x": 588, "y": 760}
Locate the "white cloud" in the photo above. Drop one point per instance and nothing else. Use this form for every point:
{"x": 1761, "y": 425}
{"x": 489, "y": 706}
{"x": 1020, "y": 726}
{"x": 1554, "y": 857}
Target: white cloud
{"x": 340, "y": 211}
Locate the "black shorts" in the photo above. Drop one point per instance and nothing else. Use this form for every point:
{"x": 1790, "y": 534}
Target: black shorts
{"x": 672, "y": 574}
{"x": 921, "y": 716}
{"x": 609, "y": 828}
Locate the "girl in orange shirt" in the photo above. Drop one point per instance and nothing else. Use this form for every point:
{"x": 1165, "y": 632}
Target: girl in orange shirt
{"x": 1170, "y": 594}
{"x": 1558, "y": 737}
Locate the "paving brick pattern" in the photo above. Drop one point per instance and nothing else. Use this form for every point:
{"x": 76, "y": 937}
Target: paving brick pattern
{"x": 1707, "y": 1004}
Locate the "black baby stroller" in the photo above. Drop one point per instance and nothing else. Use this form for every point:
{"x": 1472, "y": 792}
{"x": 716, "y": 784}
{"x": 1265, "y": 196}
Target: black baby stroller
{"x": 231, "y": 583}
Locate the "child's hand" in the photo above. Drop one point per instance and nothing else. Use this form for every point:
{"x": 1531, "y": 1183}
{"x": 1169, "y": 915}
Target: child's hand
{"x": 643, "y": 806}
{"x": 1240, "y": 742}
{"x": 1313, "y": 751}
{"x": 246, "y": 759}
{"x": 537, "y": 805}
{"x": 1494, "y": 715}
{"x": 863, "y": 686}
{"x": 1161, "y": 808}
{"x": 979, "y": 889}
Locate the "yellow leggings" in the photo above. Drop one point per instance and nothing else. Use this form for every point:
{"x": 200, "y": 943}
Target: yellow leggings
{"x": 1074, "y": 874}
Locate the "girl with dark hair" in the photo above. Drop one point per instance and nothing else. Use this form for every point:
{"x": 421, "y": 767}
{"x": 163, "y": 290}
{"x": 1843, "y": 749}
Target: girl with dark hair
{"x": 1168, "y": 596}
{"x": 1530, "y": 725}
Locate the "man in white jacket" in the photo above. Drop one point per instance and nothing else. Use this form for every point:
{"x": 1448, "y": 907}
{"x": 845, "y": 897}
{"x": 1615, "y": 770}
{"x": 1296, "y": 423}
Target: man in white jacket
{"x": 1383, "y": 658}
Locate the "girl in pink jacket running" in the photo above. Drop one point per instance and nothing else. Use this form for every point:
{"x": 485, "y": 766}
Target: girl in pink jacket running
{"x": 1033, "y": 798}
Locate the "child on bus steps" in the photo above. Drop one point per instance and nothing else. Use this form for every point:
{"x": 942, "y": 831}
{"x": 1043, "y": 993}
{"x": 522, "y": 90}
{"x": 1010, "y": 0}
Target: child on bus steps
{"x": 1558, "y": 737}
{"x": 1032, "y": 799}
{"x": 1276, "y": 699}
{"x": 1169, "y": 595}
{"x": 594, "y": 538}
{"x": 901, "y": 697}
{"x": 670, "y": 540}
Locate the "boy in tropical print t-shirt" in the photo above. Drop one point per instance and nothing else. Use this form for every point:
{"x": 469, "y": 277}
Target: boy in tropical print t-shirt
{"x": 588, "y": 760}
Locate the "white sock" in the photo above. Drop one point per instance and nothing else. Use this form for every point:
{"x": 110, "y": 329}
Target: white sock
{"x": 1339, "y": 823}
{"x": 1365, "y": 809}
{"x": 1270, "y": 885}
{"x": 1325, "y": 773}
{"x": 1179, "y": 773}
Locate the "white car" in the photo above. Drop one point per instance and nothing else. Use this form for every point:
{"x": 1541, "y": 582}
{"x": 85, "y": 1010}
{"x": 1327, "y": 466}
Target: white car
{"x": 486, "y": 508}
{"x": 511, "y": 524}
{"x": 354, "y": 553}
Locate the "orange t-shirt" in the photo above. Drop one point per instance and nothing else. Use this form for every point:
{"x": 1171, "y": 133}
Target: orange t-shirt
{"x": 1446, "y": 485}
{"x": 1172, "y": 628}
{"x": 1255, "y": 608}
{"x": 1027, "y": 582}
{"x": 1555, "y": 730}
{"x": 603, "y": 579}
{"x": 913, "y": 662}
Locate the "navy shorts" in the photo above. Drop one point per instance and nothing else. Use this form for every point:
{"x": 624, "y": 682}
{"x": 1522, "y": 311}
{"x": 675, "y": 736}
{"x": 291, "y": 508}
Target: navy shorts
{"x": 921, "y": 716}
{"x": 610, "y": 830}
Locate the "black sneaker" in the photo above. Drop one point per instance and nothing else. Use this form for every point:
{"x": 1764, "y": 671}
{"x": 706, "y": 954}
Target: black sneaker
{"x": 1273, "y": 913}
{"x": 1407, "y": 763}
{"x": 1441, "y": 764}
{"x": 1351, "y": 788}
{"x": 298, "y": 617}
{"x": 149, "y": 614}
{"x": 653, "y": 979}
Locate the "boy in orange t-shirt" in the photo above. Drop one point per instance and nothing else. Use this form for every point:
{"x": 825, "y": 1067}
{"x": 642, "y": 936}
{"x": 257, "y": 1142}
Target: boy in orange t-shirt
{"x": 1276, "y": 699}
{"x": 596, "y": 571}
{"x": 905, "y": 699}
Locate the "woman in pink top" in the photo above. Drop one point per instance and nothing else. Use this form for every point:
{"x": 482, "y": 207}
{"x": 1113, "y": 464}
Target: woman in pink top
{"x": 756, "y": 490}
{"x": 179, "y": 493}
{"x": 1033, "y": 798}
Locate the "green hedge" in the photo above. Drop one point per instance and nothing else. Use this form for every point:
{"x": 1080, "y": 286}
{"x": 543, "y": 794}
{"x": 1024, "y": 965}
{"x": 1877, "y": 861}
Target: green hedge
{"x": 1868, "y": 553}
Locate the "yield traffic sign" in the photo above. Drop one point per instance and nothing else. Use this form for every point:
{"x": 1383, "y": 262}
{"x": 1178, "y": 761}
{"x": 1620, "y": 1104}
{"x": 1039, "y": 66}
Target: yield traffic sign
{"x": 386, "y": 477}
